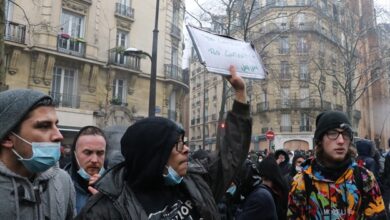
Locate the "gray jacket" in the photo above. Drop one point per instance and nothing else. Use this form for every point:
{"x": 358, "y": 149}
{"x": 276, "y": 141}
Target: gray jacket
{"x": 206, "y": 181}
{"x": 50, "y": 196}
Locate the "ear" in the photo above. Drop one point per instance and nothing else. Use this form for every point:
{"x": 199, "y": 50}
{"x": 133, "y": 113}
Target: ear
{"x": 7, "y": 142}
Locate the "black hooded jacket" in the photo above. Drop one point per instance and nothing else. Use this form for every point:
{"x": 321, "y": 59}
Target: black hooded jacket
{"x": 146, "y": 157}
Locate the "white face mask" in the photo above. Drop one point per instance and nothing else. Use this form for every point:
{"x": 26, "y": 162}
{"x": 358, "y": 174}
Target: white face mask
{"x": 298, "y": 168}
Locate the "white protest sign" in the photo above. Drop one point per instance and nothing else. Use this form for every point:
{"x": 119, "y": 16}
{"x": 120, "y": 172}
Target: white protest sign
{"x": 218, "y": 52}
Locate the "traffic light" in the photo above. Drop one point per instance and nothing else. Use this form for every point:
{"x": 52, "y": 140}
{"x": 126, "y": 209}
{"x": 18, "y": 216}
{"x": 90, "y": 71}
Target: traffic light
{"x": 222, "y": 125}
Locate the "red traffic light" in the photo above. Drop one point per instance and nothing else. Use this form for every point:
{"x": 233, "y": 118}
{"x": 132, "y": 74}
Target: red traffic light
{"x": 222, "y": 125}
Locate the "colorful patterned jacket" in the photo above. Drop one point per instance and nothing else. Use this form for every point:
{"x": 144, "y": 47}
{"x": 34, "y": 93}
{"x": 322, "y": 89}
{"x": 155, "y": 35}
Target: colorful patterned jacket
{"x": 332, "y": 200}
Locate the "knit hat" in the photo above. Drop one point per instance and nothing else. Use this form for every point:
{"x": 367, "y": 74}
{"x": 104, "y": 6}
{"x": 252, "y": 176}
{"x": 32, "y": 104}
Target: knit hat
{"x": 328, "y": 120}
{"x": 14, "y": 105}
{"x": 146, "y": 146}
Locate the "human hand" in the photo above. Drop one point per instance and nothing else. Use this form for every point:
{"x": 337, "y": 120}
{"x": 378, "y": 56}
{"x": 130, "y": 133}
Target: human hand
{"x": 238, "y": 84}
{"x": 92, "y": 190}
{"x": 93, "y": 179}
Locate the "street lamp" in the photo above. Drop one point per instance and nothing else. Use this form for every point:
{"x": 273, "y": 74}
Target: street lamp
{"x": 153, "y": 59}
{"x": 135, "y": 51}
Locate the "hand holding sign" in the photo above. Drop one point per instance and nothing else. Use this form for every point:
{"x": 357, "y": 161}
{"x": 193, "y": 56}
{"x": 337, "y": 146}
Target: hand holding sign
{"x": 218, "y": 52}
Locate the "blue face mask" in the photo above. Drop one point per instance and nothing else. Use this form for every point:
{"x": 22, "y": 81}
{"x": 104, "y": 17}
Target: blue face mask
{"x": 45, "y": 155}
{"x": 172, "y": 178}
{"x": 86, "y": 176}
{"x": 232, "y": 189}
{"x": 84, "y": 173}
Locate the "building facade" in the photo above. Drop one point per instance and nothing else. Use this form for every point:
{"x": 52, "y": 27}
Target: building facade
{"x": 320, "y": 55}
{"x": 73, "y": 50}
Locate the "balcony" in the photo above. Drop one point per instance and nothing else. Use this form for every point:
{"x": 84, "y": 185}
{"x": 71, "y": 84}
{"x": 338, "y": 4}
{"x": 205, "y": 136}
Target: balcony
{"x": 284, "y": 104}
{"x": 285, "y": 128}
{"x": 71, "y": 46}
{"x": 305, "y": 128}
{"x": 65, "y": 100}
{"x": 262, "y": 106}
{"x": 176, "y": 32}
{"x": 124, "y": 11}
{"x": 172, "y": 114}
{"x": 174, "y": 72}
{"x": 129, "y": 61}
{"x": 15, "y": 32}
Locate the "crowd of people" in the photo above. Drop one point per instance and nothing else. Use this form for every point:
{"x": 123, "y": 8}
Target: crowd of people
{"x": 156, "y": 178}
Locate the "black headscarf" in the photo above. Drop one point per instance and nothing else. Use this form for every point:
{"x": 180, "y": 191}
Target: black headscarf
{"x": 146, "y": 147}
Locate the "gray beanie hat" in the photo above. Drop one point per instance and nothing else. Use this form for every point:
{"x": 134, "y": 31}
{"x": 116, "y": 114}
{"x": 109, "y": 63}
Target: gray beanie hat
{"x": 14, "y": 105}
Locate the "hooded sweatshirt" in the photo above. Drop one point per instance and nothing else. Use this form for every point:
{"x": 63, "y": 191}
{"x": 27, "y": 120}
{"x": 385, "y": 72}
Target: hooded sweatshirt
{"x": 135, "y": 189}
{"x": 50, "y": 196}
{"x": 334, "y": 193}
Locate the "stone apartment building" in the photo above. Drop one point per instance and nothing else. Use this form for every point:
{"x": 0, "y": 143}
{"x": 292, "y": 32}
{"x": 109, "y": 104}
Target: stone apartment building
{"x": 300, "y": 42}
{"x": 73, "y": 51}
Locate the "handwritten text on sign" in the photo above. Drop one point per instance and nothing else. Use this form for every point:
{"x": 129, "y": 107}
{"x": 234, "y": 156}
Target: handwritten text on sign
{"x": 217, "y": 53}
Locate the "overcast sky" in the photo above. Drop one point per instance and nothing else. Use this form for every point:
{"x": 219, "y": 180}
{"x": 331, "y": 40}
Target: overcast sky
{"x": 191, "y": 6}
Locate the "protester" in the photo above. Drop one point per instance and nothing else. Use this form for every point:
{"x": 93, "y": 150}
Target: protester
{"x": 332, "y": 185}
{"x": 256, "y": 199}
{"x": 283, "y": 160}
{"x": 272, "y": 177}
{"x": 365, "y": 158}
{"x": 386, "y": 181}
{"x": 297, "y": 161}
{"x": 32, "y": 184}
{"x": 156, "y": 181}
{"x": 87, "y": 163}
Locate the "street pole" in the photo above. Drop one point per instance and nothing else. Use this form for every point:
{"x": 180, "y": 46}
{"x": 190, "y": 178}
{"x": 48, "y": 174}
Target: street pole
{"x": 153, "y": 72}
{"x": 2, "y": 54}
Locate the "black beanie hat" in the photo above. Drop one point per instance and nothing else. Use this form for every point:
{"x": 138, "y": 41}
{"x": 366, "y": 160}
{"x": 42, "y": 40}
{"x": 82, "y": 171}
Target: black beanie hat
{"x": 146, "y": 146}
{"x": 328, "y": 120}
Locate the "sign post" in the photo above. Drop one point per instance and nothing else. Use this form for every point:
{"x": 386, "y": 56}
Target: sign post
{"x": 270, "y": 135}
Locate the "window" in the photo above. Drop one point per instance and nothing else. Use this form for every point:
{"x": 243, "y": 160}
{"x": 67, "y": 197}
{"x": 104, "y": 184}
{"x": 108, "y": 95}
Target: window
{"x": 123, "y": 8}
{"x": 119, "y": 91}
{"x": 175, "y": 63}
{"x": 302, "y": 45}
{"x": 324, "y": 6}
{"x": 8, "y": 10}
{"x": 281, "y": 2}
{"x": 335, "y": 13}
{"x": 303, "y": 72}
{"x": 285, "y": 96}
{"x": 284, "y": 70}
{"x": 305, "y": 122}
{"x": 283, "y": 45}
{"x": 270, "y": 2}
{"x": 300, "y": 2}
{"x": 282, "y": 20}
{"x": 121, "y": 42}
{"x": 305, "y": 101}
{"x": 285, "y": 123}
{"x": 64, "y": 87}
{"x": 172, "y": 106}
{"x": 301, "y": 21}
{"x": 72, "y": 24}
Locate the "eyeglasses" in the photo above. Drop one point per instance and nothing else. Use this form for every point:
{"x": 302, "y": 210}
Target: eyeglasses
{"x": 334, "y": 134}
{"x": 180, "y": 146}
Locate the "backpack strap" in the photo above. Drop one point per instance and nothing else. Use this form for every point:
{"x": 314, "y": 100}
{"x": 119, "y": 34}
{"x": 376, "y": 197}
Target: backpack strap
{"x": 308, "y": 190}
{"x": 357, "y": 174}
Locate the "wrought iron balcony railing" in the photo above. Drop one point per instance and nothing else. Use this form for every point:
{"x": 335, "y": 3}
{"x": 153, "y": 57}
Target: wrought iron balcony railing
{"x": 124, "y": 10}
{"x": 15, "y": 32}
{"x": 65, "y": 100}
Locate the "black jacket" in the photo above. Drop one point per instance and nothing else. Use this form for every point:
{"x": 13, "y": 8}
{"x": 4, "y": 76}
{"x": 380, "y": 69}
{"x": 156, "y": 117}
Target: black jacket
{"x": 117, "y": 201}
